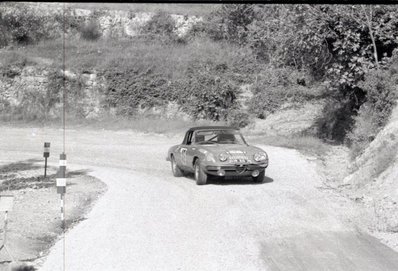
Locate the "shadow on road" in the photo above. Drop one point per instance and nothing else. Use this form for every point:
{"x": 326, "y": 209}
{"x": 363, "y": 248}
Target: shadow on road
{"x": 337, "y": 251}
{"x": 32, "y": 177}
{"x": 238, "y": 181}
{"x": 15, "y": 167}
{"x": 232, "y": 180}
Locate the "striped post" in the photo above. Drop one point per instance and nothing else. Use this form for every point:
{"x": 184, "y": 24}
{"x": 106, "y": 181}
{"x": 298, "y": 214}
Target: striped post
{"x": 61, "y": 184}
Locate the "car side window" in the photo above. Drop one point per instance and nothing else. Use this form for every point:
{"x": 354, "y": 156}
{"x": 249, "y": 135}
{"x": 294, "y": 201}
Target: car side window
{"x": 189, "y": 138}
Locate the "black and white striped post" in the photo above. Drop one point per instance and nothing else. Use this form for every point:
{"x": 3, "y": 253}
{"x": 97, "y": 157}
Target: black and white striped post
{"x": 61, "y": 185}
{"x": 46, "y": 154}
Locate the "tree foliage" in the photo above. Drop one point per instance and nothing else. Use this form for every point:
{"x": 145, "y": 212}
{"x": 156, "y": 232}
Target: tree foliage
{"x": 23, "y": 26}
{"x": 206, "y": 92}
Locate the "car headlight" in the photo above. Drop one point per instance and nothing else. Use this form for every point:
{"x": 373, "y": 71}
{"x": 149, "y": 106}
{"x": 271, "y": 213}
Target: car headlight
{"x": 260, "y": 156}
{"x": 223, "y": 157}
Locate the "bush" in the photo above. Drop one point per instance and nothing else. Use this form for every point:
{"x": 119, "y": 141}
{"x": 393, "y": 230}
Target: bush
{"x": 4, "y": 35}
{"x": 130, "y": 88}
{"x": 206, "y": 91}
{"x": 381, "y": 95}
{"x": 74, "y": 94}
{"x": 230, "y": 22}
{"x": 238, "y": 119}
{"x": 336, "y": 119}
{"x": 161, "y": 27}
{"x": 90, "y": 31}
{"x": 279, "y": 86}
{"x": 23, "y": 25}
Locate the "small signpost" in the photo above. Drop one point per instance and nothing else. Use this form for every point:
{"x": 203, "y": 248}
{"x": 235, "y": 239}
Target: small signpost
{"x": 61, "y": 184}
{"x": 46, "y": 154}
{"x": 6, "y": 204}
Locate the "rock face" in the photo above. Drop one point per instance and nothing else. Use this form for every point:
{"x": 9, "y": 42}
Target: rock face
{"x": 25, "y": 90}
{"x": 113, "y": 23}
{"x": 19, "y": 85}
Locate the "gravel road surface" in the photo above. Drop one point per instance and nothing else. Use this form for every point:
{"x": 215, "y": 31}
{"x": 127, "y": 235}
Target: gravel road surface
{"x": 150, "y": 220}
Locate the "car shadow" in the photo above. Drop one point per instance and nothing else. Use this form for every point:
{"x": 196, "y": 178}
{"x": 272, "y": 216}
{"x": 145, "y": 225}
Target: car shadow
{"x": 238, "y": 181}
{"x": 232, "y": 180}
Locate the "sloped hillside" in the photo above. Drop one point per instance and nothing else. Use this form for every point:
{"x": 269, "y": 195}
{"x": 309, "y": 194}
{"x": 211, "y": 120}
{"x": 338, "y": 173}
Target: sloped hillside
{"x": 370, "y": 180}
{"x": 375, "y": 177}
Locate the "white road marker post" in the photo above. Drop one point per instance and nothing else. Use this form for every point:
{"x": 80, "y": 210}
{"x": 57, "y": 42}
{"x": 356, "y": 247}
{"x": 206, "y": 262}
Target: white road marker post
{"x": 46, "y": 154}
{"x": 6, "y": 203}
{"x": 61, "y": 185}
{"x": 61, "y": 189}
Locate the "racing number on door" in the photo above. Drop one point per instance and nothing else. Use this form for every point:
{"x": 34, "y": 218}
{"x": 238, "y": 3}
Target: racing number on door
{"x": 183, "y": 155}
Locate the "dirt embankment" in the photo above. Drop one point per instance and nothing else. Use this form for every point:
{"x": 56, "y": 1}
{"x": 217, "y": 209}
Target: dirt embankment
{"x": 369, "y": 181}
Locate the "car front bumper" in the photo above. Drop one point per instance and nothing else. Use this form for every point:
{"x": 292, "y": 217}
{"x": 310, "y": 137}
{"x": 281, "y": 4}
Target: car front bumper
{"x": 234, "y": 169}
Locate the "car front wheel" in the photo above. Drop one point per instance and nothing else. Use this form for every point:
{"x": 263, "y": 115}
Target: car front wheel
{"x": 177, "y": 172}
{"x": 200, "y": 175}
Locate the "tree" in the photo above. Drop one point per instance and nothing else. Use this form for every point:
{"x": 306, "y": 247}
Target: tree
{"x": 230, "y": 22}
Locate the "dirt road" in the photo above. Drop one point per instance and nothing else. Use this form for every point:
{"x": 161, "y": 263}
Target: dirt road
{"x": 149, "y": 220}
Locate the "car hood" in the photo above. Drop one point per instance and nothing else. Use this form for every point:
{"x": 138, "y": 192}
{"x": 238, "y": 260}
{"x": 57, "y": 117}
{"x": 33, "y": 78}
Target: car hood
{"x": 230, "y": 149}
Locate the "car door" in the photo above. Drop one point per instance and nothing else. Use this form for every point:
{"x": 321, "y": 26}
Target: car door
{"x": 182, "y": 151}
{"x": 192, "y": 151}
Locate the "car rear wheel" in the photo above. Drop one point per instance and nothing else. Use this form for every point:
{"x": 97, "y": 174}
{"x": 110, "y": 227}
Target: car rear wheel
{"x": 200, "y": 175}
{"x": 177, "y": 172}
{"x": 259, "y": 178}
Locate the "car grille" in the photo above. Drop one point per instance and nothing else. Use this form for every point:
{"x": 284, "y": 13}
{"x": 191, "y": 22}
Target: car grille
{"x": 238, "y": 157}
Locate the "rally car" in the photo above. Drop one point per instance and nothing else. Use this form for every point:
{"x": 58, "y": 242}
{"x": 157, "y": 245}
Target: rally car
{"x": 218, "y": 151}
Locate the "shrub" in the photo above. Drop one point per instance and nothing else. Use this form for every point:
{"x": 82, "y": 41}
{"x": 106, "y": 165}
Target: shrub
{"x": 23, "y": 25}
{"x": 130, "y": 88}
{"x": 161, "y": 27}
{"x": 74, "y": 94}
{"x": 206, "y": 92}
{"x": 160, "y": 24}
{"x": 336, "y": 119}
{"x": 238, "y": 119}
{"x": 230, "y": 22}
{"x": 276, "y": 87}
{"x": 381, "y": 95}
{"x": 4, "y": 35}
{"x": 90, "y": 31}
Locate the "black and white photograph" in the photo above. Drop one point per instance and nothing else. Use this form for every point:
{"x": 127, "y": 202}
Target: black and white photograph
{"x": 218, "y": 136}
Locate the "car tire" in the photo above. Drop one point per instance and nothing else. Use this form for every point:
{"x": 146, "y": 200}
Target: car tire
{"x": 260, "y": 177}
{"x": 177, "y": 172}
{"x": 200, "y": 175}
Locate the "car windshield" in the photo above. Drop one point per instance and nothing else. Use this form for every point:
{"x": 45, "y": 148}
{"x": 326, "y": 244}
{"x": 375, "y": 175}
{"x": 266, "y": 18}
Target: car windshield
{"x": 219, "y": 137}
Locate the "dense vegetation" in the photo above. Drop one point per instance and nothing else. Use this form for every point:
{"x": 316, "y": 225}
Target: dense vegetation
{"x": 287, "y": 53}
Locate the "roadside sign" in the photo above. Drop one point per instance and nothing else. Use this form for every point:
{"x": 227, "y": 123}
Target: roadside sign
{"x": 46, "y": 152}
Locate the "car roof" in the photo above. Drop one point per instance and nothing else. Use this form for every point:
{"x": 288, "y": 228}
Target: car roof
{"x": 212, "y": 128}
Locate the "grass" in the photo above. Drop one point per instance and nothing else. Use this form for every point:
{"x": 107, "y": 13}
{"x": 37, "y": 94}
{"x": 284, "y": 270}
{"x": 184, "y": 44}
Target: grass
{"x": 138, "y": 124}
{"x": 171, "y": 59}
